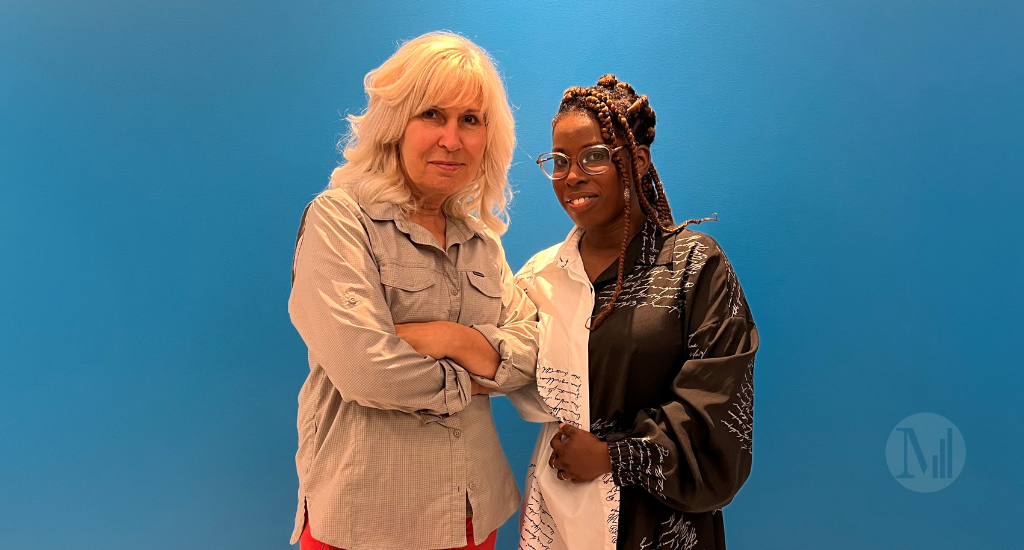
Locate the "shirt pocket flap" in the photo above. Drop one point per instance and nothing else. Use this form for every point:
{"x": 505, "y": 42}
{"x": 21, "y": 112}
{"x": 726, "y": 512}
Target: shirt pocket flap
{"x": 407, "y": 278}
{"x": 489, "y": 286}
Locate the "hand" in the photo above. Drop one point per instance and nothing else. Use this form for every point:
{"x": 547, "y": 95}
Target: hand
{"x": 427, "y": 339}
{"x": 478, "y": 389}
{"x": 578, "y": 456}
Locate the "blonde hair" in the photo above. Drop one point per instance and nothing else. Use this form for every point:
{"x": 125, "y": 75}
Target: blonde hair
{"x": 426, "y": 71}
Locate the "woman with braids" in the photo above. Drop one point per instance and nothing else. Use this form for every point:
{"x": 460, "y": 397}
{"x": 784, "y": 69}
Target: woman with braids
{"x": 645, "y": 367}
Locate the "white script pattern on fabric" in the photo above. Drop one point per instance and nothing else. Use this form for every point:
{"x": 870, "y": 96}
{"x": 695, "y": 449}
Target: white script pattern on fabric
{"x": 557, "y": 514}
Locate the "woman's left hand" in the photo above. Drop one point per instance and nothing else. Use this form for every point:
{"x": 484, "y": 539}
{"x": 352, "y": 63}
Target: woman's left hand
{"x": 578, "y": 456}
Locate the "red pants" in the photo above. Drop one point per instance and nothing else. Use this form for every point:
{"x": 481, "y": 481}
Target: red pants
{"x": 307, "y": 542}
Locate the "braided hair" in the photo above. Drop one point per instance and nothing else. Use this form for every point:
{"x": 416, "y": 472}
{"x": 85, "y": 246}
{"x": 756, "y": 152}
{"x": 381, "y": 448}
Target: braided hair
{"x": 622, "y": 113}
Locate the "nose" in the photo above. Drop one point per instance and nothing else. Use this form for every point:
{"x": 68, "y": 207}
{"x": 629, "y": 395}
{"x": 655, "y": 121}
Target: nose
{"x": 576, "y": 175}
{"x": 450, "y": 138}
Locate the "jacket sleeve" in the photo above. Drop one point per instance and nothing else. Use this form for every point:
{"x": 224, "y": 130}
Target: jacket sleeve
{"x": 337, "y": 304}
{"x": 514, "y": 337}
{"x": 693, "y": 453}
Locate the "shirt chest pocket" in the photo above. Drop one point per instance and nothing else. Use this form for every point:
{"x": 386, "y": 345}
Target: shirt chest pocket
{"x": 413, "y": 294}
{"x": 481, "y": 303}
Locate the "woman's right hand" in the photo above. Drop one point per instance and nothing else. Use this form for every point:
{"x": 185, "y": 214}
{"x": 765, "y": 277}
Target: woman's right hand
{"x": 478, "y": 389}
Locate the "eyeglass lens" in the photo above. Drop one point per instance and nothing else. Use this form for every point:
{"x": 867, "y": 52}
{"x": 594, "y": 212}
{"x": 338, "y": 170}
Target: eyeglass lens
{"x": 593, "y": 160}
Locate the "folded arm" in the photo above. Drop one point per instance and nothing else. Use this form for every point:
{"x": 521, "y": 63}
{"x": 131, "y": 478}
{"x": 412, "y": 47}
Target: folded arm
{"x": 338, "y": 306}
{"x": 501, "y": 357}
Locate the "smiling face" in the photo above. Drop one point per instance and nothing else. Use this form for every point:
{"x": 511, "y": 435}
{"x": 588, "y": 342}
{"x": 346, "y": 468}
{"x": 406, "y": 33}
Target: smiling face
{"x": 442, "y": 150}
{"x": 592, "y": 201}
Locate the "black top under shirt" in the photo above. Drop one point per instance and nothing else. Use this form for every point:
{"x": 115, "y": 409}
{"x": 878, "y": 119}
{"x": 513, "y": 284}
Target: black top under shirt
{"x": 671, "y": 388}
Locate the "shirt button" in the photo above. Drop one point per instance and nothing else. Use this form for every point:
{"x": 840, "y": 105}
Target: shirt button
{"x": 352, "y": 300}
{"x": 472, "y": 485}
{"x": 455, "y": 291}
{"x": 457, "y": 433}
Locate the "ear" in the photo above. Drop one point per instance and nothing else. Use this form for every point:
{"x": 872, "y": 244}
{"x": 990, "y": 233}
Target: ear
{"x": 643, "y": 156}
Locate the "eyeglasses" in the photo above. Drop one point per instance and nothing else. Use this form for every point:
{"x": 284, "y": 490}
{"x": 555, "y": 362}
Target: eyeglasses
{"x": 593, "y": 160}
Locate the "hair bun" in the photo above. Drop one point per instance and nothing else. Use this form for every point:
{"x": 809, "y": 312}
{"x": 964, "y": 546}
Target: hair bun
{"x": 607, "y": 81}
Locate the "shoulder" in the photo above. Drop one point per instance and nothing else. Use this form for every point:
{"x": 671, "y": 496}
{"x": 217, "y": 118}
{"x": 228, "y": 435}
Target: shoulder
{"x": 335, "y": 203}
{"x": 335, "y": 214}
{"x": 709, "y": 274}
{"x": 692, "y": 250}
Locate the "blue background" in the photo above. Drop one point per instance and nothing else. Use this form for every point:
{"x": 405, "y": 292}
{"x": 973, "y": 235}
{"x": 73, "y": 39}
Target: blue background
{"x": 865, "y": 159}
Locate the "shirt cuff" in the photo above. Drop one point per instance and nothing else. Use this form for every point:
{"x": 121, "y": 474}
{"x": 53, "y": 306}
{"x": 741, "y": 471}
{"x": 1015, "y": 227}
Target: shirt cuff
{"x": 637, "y": 461}
{"x": 457, "y": 391}
{"x": 499, "y": 343}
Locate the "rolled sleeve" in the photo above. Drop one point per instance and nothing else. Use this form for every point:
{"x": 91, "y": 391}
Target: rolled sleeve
{"x": 456, "y": 387}
{"x": 514, "y": 338}
{"x": 506, "y": 363}
{"x": 457, "y": 392}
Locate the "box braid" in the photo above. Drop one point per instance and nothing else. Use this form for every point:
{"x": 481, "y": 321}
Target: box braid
{"x": 621, "y": 112}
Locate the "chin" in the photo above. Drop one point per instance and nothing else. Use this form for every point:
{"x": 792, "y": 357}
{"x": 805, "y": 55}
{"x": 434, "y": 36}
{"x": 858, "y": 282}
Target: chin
{"x": 590, "y": 218}
{"x": 582, "y": 221}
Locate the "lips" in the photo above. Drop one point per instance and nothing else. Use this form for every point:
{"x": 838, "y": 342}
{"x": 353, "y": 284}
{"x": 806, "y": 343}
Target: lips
{"x": 579, "y": 202}
{"x": 447, "y": 166}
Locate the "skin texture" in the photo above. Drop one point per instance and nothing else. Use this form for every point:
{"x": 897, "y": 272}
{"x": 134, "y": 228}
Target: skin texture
{"x": 603, "y": 217}
{"x": 442, "y": 150}
{"x": 578, "y": 455}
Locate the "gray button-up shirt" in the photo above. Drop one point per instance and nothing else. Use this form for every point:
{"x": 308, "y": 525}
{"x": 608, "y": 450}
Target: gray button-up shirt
{"x": 393, "y": 449}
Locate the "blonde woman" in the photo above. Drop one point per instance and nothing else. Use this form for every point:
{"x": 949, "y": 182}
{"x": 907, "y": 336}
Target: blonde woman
{"x": 402, "y": 293}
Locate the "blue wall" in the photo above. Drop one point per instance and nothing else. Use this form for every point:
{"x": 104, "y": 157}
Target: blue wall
{"x": 865, "y": 159}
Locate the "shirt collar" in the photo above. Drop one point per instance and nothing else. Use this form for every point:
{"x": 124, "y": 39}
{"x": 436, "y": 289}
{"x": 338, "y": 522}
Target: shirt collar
{"x": 456, "y": 231}
{"x": 643, "y": 249}
{"x": 569, "y": 253}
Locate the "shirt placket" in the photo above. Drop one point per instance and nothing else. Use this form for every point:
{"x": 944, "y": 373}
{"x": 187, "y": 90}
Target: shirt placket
{"x": 459, "y": 474}
{"x": 456, "y": 441}
{"x": 453, "y": 284}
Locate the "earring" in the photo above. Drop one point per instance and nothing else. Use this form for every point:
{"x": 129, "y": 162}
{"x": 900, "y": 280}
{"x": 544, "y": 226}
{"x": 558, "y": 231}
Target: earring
{"x": 625, "y": 193}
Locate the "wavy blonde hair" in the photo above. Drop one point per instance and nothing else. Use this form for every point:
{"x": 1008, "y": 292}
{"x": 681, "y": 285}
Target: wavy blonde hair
{"x": 435, "y": 69}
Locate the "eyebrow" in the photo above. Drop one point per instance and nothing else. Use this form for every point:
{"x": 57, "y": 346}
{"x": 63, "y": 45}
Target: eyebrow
{"x": 450, "y": 107}
{"x": 591, "y": 144}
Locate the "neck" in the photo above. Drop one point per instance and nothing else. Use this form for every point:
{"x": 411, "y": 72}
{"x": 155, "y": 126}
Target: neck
{"x": 428, "y": 210}
{"x": 430, "y": 205}
{"x": 433, "y": 220}
{"x": 607, "y": 239}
